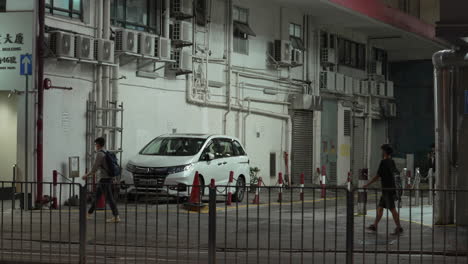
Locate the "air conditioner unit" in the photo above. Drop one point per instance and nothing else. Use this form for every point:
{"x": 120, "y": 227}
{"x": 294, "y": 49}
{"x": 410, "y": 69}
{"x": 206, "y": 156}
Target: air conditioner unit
{"x": 182, "y": 31}
{"x": 389, "y": 89}
{"x": 373, "y": 88}
{"x": 365, "y": 87}
{"x": 328, "y": 80}
{"x": 306, "y": 102}
{"x": 328, "y": 56}
{"x": 340, "y": 83}
{"x": 84, "y": 47}
{"x": 62, "y": 44}
{"x": 182, "y": 8}
{"x": 146, "y": 43}
{"x": 381, "y": 89}
{"x": 357, "y": 86}
{"x": 348, "y": 85}
{"x": 104, "y": 50}
{"x": 183, "y": 60}
{"x": 126, "y": 41}
{"x": 282, "y": 51}
{"x": 296, "y": 57}
{"x": 392, "y": 111}
{"x": 162, "y": 48}
{"x": 375, "y": 67}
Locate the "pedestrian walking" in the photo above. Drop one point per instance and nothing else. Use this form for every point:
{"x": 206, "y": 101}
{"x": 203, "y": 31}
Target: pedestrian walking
{"x": 105, "y": 172}
{"x": 386, "y": 172}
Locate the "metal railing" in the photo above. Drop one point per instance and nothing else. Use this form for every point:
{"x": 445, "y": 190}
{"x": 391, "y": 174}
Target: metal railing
{"x": 315, "y": 227}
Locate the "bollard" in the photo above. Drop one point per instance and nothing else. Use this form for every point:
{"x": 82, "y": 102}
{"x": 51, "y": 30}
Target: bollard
{"x": 302, "y": 187}
{"x": 323, "y": 182}
{"x": 256, "y": 199}
{"x": 362, "y": 194}
{"x": 348, "y": 182}
{"x": 54, "y": 195}
{"x": 280, "y": 183}
{"x": 229, "y": 196}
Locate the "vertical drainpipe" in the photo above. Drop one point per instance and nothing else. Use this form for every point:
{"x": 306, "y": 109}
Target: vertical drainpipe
{"x": 228, "y": 51}
{"x": 40, "y": 103}
{"x": 106, "y": 69}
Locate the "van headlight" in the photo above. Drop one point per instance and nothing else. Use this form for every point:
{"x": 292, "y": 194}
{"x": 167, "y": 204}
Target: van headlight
{"x": 130, "y": 167}
{"x": 173, "y": 170}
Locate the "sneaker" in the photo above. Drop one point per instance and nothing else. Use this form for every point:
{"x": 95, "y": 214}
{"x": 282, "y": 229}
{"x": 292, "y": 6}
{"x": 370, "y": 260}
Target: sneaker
{"x": 397, "y": 231}
{"x": 372, "y": 228}
{"x": 89, "y": 216}
{"x": 115, "y": 219}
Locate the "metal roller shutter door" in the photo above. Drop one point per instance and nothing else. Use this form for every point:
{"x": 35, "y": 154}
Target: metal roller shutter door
{"x": 302, "y": 146}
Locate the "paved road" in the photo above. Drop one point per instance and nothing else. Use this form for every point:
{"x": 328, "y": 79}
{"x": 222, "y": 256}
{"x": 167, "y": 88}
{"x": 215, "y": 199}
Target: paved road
{"x": 163, "y": 232}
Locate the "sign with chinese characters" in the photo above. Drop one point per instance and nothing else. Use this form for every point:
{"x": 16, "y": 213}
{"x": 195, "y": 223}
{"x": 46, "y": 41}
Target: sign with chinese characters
{"x": 16, "y": 39}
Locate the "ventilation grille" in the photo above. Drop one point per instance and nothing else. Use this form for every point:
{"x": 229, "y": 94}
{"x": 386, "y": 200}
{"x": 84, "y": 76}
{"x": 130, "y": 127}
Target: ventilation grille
{"x": 332, "y": 173}
{"x": 347, "y": 123}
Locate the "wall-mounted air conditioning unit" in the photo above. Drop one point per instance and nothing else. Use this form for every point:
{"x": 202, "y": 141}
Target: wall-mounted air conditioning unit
{"x": 349, "y": 85}
{"x": 162, "y": 49}
{"x": 282, "y": 50}
{"x": 392, "y": 110}
{"x": 146, "y": 44}
{"x": 328, "y": 56}
{"x": 296, "y": 57}
{"x": 390, "y": 88}
{"x": 183, "y": 60}
{"x": 328, "y": 80}
{"x": 84, "y": 48}
{"x": 126, "y": 41}
{"x": 182, "y": 32}
{"x": 340, "y": 83}
{"x": 182, "y": 8}
{"x": 365, "y": 87}
{"x": 104, "y": 50}
{"x": 62, "y": 44}
{"x": 373, "y": 88}
{"x": 375, "y": 67}
{"x": 381, "y": 88}
{"x": 357, "y": 86}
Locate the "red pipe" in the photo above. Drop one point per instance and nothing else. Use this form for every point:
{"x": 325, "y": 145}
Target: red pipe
{"x": 40, "y": 100}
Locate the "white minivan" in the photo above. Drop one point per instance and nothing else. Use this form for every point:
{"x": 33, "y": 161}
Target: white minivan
{"x": 168, "y": 165}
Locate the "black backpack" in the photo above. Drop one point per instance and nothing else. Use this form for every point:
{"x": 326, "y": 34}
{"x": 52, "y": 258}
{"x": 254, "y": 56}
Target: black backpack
{"x": 112, "y": 164}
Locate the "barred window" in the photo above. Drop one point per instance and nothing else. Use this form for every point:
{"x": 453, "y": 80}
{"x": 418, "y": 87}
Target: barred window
{"x": 69, "y": 8}
{"x": 142, "y": 15}
{"x": 242, "y": 30}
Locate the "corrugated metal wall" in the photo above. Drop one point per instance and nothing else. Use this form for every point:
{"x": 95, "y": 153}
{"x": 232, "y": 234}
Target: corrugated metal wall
{"x": 302, "y": 146}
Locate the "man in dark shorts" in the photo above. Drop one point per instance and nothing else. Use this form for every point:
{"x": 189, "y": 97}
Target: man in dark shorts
{"x": 386, "y": 172}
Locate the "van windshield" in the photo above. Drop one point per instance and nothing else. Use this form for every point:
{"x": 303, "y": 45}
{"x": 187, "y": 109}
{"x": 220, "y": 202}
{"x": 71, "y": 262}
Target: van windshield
{"x": 173, "y": 146}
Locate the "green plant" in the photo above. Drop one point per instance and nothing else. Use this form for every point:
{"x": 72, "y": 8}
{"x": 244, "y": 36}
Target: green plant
{"x": 254, "y": 175}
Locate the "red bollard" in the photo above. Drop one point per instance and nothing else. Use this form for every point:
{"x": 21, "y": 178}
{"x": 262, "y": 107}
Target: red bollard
{"x": 323, "y": 181}
{"x": 229, "y": 196}
{"x": 54, "y": 196}
{"x": 256, "y": 199}
{"x": 302, "y": 187}
{"x": 280, "y": 182}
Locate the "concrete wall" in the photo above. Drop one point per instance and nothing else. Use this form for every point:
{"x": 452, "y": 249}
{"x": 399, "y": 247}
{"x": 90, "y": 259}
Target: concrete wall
{"x": 8, "y": 122}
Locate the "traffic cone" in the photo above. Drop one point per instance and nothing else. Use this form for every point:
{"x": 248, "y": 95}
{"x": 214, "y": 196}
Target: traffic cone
{"x": 194, "y": 203}
{"x": 256, "y": 199}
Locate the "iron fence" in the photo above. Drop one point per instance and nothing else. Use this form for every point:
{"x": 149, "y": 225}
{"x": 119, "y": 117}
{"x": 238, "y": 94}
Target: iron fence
{"x": 270, "y": 225}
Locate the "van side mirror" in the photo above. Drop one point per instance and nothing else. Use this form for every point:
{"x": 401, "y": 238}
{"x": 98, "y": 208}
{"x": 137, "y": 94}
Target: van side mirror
{"x": 209, "y": 157}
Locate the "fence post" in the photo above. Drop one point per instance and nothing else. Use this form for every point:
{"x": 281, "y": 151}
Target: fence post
{"x": 212, "y": 224}
{"x": 349, "y": 226}
{"x": 82, "y": 224}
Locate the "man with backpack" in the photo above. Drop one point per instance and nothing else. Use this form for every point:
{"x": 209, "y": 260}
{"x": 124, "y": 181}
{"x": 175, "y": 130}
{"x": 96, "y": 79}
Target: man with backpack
{"x": 386, "y": 173}
{"x": 105, "y": 168}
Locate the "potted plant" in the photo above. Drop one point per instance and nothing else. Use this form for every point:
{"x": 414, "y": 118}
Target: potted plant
{"x": 254, "y": 178}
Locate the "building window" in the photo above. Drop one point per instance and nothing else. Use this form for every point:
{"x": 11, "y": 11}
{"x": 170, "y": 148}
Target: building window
{"x": 200, "y": 12}
{"x": 69, "y": 8}
{"x": 242, "y": 30}
{"x": 295, "y": 35}
{"x": 382, "y": 56}
{"x": 142, "y": 15}
{"x": 351, "y": 54}
{"x": 2, "y": 5}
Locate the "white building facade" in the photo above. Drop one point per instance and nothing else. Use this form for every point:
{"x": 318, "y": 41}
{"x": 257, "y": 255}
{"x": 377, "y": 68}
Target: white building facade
{"x": 302, "y": 84}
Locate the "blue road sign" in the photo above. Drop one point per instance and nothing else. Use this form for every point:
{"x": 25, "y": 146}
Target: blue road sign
{"x": 26, "y": 64}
